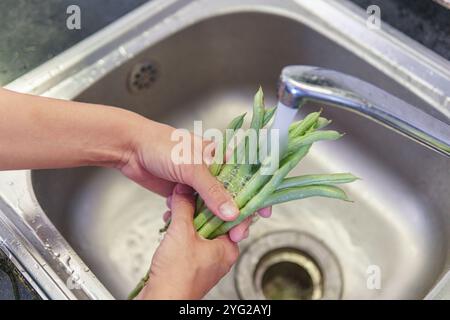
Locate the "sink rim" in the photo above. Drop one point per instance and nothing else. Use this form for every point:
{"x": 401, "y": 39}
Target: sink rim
{"x": 56, "y": 79}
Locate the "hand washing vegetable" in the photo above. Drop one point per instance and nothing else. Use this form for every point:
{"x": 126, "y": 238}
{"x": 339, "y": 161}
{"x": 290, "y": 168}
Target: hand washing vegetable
{"x": 253, "y": 188}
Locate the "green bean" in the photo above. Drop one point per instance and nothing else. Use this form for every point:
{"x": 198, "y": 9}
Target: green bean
{"x": 207, "y": 229}
{"x": 199, "y": 203}
{"x": 258, "y": 111}
{"x": 268, "y": 115}
{"x": 202, "y": 217}
{"x": 317, "y": 179}
{"x": 234, "y": 125}
{"x": 305, "y": 124}
{"x": 285, "y": 195}
{"x": 312, "y": 137}
{"x": 249, "y": 191}
{"x": 322, "y": 123}
{"x": 295, "y": 193}
{"x": 133, "y": 294}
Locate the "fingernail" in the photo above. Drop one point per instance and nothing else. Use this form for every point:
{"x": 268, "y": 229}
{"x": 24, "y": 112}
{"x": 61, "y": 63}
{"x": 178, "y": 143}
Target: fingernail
{"x": 183, "y": 189}
{"x": 229, "y": 210}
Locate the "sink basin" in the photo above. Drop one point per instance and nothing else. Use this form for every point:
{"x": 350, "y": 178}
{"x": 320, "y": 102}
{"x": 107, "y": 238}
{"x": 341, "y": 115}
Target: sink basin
{"x": 392, "y": 242}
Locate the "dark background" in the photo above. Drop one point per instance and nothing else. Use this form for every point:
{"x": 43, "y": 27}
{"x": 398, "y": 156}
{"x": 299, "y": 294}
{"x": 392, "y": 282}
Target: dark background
{"x": 422, "y": 20}
{"x": 34, "y": 31}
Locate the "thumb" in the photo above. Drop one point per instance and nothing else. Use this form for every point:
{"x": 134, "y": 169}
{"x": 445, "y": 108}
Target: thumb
{"x": 216, "y": 197}
{"x": 182, "y": 206}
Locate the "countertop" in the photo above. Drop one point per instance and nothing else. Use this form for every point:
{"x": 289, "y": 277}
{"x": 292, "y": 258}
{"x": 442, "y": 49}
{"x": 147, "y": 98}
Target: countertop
{"x": 34, "y": 31}
{"x": 12, "y": 285}
{"x": 424, "y": 21}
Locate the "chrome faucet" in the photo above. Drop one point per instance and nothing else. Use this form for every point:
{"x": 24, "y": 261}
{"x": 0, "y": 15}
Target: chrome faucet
{"x": 299, "y": 84}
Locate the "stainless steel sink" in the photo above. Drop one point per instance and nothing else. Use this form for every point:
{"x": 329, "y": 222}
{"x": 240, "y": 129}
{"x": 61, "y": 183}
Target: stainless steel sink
{"x": 93, "y": 232}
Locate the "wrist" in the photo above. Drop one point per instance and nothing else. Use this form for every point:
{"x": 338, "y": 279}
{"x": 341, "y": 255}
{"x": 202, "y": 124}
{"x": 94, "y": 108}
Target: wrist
{"x": 153, "y": 291}
{"x": 124, "y": 127}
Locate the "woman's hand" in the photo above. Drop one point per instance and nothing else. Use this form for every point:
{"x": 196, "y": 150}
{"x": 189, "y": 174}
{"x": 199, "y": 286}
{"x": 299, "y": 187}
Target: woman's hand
{"x": 149, "y": 163}
{"x": 43, "y": 133}
{"x": 186, "y": 266}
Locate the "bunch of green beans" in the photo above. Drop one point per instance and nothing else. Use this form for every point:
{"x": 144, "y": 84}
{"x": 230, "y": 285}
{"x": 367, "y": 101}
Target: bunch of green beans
{"x": 252, "y": 190}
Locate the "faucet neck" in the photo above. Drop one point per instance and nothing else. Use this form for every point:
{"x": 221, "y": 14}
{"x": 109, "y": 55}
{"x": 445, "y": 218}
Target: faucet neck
{"x": 299, "y": 84}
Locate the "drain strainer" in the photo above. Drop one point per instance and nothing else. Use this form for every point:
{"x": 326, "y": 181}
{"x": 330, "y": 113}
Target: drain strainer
{"x": 142, "y": 76}
{"x": 288, "y": 265}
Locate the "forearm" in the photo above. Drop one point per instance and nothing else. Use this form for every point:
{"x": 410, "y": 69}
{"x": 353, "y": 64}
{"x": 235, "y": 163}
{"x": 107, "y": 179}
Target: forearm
{"x": 37, "y": 132}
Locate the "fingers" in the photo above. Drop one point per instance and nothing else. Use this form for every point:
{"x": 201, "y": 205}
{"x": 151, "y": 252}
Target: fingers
{"x": 241, "y": 231}
{"x": 230, "y": 249}
{"x": 138, "y": 174}
{"x": 159, "y": 186}
{"x": 265, "y": 212}
{"x": 216, "y": 197}
{"x": 182, "y": 206}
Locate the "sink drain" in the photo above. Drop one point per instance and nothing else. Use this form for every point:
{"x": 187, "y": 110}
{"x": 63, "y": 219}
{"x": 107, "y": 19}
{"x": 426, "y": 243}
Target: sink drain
{"x": 142, "y": 76}
{"x": 286, "y": 274}
{"x": 288, "y": 265}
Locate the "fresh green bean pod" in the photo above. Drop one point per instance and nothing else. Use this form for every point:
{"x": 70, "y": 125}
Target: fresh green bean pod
{"x": 312, "y": 137}
{"x": 317, "y": 179}
{"x": 296, "y": 193}
{"x": 202, "y": 217}
{"x": 282, "y": 196}
{"x": 133, "y": 294}
{"x": 322, "y": 123}
{"x": 253, "y": 202}
{"x": 256, "y": 124}
{"x": 305, "y": 124}
{"x": 199, "y": 203}
{"x": 234, "y": 125}
{"x": 268, "y": 115}
{"x": 258, "y": 110}
{"x": 217, "y": 165}
{"x": 205, "y": 214}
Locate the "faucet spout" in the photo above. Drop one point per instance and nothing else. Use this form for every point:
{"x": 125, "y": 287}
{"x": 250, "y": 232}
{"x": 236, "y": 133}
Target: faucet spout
{"x": 299, "y": 84}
